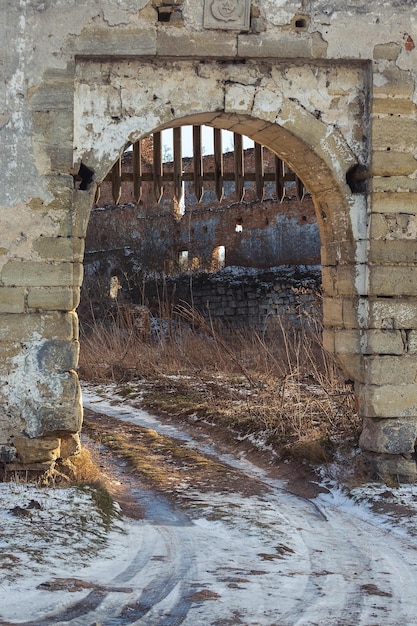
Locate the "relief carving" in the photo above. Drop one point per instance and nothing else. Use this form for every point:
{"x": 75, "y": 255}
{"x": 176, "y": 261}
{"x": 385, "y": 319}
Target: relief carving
{"x": 227, "y": 14}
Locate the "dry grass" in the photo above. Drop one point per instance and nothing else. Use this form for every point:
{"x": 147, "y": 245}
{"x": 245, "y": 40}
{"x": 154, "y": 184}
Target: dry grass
{"x": 282, "y": 390}
{"x": 86, "y": 467}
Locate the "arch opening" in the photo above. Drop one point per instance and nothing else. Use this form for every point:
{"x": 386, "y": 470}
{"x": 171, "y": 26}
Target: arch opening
{"x": 189, "y": 261}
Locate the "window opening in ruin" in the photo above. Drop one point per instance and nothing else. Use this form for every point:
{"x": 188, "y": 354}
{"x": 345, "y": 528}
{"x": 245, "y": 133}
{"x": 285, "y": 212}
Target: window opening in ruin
{"x": 218, "y": 261}
{"x": 239, "y": 225}
{"x": 183, "y": 260}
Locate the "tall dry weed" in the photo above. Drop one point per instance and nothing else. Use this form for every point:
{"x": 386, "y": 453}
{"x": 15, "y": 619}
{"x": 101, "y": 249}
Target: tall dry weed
{"x": 279, "y": 386}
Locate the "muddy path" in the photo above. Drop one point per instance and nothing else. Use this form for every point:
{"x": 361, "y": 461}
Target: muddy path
{"x": 216, "y": 538}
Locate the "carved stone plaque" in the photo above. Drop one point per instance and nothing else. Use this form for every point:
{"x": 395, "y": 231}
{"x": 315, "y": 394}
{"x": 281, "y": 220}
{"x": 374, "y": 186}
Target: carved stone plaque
{"x": 227, "y": 14}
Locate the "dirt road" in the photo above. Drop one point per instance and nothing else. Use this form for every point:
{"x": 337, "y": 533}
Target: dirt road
{"x": 245, "y": 551}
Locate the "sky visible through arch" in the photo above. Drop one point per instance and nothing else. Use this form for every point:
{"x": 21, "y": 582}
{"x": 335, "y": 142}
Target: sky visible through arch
{"x": 206, "y": 141}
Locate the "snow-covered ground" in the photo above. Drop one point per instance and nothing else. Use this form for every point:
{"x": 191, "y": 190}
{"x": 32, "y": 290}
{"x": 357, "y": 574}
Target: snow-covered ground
{"x": 271, "y": 558}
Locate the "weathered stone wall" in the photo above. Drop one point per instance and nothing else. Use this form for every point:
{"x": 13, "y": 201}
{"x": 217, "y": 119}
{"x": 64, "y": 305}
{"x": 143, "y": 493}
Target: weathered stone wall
{"x": 326, "y": 87}
{"x": 153, "y": 236}
{"x": 243, "y": 297}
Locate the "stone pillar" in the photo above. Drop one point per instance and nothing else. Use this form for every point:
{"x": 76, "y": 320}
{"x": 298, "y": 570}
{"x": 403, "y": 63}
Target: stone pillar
{"x": 39, "y": 335}
{"x": 388, "y": 394}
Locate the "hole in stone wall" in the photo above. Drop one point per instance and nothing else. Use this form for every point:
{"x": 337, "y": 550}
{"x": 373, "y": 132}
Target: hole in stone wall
{"x": 357, "y": 178}
{"x": 164, "y": 14}
{"x": 86, "y": 175}
{"x": 239, "y": 225}
{"x": 300, "y": 23}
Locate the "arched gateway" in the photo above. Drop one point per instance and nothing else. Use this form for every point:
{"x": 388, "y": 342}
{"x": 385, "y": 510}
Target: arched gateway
{"x": 341, "y": 114}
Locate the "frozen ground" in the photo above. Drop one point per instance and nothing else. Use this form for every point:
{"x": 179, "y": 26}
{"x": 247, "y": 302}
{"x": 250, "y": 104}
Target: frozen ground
{"x": 270, "y": 558}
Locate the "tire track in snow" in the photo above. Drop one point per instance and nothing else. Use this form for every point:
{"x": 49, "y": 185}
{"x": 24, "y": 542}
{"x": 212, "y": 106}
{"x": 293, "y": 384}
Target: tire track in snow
{"x": 273, "y": 559}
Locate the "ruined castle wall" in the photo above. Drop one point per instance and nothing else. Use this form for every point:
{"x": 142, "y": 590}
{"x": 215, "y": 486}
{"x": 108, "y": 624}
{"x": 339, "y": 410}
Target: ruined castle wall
{"x": 253, "y": 233}
{"x": 236, "y": 298}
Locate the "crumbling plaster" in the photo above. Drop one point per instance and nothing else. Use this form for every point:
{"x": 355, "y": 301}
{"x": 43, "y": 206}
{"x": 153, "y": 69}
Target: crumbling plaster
{"x": 326, "y": 86}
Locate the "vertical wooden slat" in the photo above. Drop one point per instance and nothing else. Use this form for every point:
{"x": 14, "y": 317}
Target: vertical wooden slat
{"x": 97, "y": 196}
{"x": 239, "y": 166}
{"x": 218, "y": 163}
{"x": 137, "y": 171}
{"x": 198, "y": 163}
{"x": 157, "y": 166}
{"x": 259, "y": 171}
{"x": 279, "y": 179}
{"x": 299, "y": 189}
{"x": 177, "y": 165}
{"x": 116, "y": 180}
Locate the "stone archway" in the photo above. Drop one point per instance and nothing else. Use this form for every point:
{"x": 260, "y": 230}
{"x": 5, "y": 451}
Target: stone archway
{"x": 266, "y": 102}
{"x": 333, "y": 95}
{"x": 118, "y": 101}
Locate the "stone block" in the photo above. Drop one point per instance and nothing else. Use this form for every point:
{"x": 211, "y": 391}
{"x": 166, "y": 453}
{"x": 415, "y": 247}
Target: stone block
{"x": 391, "y": 466}
{"x": 62, "y": 418}
{"x": 62, "y": 188}
{"x": 386, "y": 51}
{"x": 125, "y": 42}
{"x": 391, "y": 313}
{"x": 389, "y": 436}
{"x": 199, "y": 44}
{"x": 383, "y": 342}
{"x": 333, "y": 312}
{"x": 347, "y": 342}
{"x": 352, "y": 367}
{"x": 56, "y": 92}
{"x": 334, "y": 252}
{"x": 53, "y": 298}
{"x": 393, "y": 184}
{"x": 378, "y": 226}
{"x": 394, "y": 202}
{"x": 60, "y": 248}
{"x": 388, "y": 401}
{"x": 390, "y": 370}
{"x": 70, "y": 445}
{"x": 286, "y": 46}
{"x": 77, "y": 225}
{"x": 393, "y": 163}
{"x": 38, "y": 450}
{"x": 354, "y": 313}
{"x": 26, "y": 327}
{"x": 53, "y": 140}
{"x": 341, "y": 313}
{"x": 393, "y": 82}
{"x": 394, "y": 133}
{"x": 393, "y": 226}
{"x": 36, "y": 274}
{"x": 392, "y": 280}
{"x": 58, "y": 356}
{"x": 392, "y": 251}
{"x": 339, "y": 280}
{"x": 12, "y": 299}
{"x": 393, "y": 106}
{"x": 328, "y": 339}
